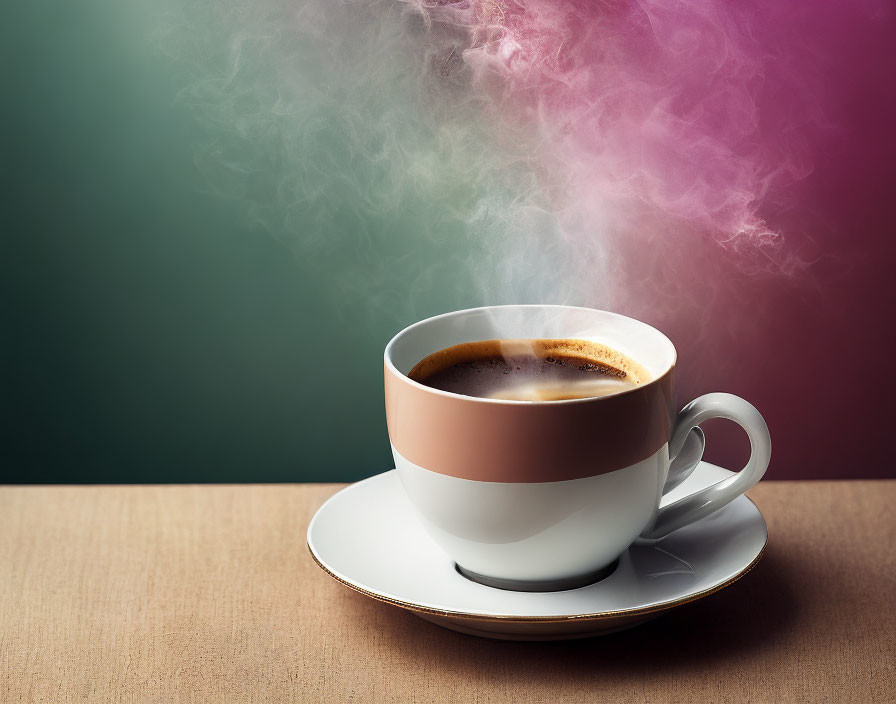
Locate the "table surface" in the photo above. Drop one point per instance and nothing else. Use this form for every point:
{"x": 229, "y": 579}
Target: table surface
{"x": 208, "y": 593}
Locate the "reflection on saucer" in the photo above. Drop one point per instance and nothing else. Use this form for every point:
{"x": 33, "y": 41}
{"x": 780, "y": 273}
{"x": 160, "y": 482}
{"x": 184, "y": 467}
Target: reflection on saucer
{"x": 664, "y": 564}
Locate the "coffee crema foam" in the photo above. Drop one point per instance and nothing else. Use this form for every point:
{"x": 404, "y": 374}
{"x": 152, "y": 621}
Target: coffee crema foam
{"x": 530, "y": 370}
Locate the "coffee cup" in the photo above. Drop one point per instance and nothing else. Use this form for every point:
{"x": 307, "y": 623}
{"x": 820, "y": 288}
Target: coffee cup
{"x": 548, "y": 494}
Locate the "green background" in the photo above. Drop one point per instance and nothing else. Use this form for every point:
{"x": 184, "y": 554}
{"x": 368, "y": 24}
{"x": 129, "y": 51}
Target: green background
{"x": 151, "y": 332}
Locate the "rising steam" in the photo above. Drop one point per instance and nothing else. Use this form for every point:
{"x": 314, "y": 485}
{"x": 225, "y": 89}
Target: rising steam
{"x": 578, "y": 152}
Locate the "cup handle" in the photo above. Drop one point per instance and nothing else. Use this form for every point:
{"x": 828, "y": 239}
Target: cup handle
{"x": 700, "y": 504}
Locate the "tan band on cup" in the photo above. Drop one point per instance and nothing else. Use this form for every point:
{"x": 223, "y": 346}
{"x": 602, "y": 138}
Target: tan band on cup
{"x": 470, "y": 438}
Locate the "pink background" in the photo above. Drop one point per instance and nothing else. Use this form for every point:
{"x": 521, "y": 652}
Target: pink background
{"x": 825, "y": 384}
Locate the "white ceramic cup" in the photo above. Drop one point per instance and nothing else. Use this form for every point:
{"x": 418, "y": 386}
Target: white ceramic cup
{"x": 547, "y": 495}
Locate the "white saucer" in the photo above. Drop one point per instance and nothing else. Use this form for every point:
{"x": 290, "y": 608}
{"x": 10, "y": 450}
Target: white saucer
{"x": 368, "y": 537}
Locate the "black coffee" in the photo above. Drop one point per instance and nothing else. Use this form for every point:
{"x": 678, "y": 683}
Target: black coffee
{"x": 529, "y": 370}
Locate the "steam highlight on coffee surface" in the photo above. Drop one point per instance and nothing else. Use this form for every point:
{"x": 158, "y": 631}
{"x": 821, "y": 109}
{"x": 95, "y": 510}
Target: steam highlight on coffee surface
{"x": 530, "y": 370}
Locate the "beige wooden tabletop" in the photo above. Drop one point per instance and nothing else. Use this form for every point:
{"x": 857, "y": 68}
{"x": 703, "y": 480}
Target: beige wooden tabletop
{"x": 208, "y": 593}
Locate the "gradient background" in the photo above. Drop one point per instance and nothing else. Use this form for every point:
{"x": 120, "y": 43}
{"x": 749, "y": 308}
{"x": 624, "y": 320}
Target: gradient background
{"x": 153, "y": 333}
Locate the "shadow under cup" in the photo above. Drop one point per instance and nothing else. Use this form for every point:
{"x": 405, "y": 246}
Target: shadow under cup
{"x": 532, "y": 495}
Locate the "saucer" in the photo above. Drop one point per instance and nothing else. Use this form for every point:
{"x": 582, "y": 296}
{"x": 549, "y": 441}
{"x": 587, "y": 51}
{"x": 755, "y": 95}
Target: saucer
{"x": 368, "y": 537}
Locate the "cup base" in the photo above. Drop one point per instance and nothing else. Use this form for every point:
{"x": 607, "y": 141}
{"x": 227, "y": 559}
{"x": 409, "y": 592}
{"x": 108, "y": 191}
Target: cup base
{"x": 540, "y": 585}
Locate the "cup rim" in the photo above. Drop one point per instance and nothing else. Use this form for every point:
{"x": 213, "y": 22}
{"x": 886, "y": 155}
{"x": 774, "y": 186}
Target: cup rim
{"x": 387, "y": 357}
